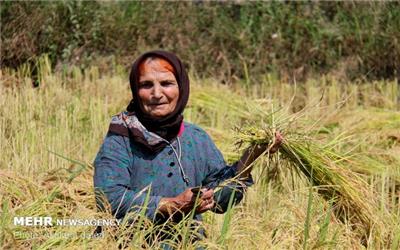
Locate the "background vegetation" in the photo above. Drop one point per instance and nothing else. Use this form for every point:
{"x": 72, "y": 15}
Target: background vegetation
{"x": 50, "y": 135}
{"x": 345, "y": 103}
{"x": 229, "y": 41}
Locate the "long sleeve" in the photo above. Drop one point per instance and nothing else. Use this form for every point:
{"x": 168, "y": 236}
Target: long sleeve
{"x": 221, "y": 174}
{"x": 230, "y": 186}
{"x": 112, "y": 180}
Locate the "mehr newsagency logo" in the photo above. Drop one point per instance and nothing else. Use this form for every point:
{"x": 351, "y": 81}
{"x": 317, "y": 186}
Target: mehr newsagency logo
{"x": 49, "y": 221}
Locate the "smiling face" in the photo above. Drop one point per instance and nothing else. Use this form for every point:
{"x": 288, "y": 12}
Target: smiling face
{"x": 158, "y": 89}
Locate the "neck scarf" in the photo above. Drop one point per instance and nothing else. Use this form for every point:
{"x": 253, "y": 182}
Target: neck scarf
{"x": 143, "y": 128}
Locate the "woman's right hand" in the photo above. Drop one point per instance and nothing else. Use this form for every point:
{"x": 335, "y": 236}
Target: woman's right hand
{"x": 186, "y": 201}
{"x": 206, "y": 201}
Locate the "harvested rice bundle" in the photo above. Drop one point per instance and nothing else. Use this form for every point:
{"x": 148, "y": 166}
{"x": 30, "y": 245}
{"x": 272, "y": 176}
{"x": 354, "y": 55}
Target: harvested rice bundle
{"x": 354, "y": 202}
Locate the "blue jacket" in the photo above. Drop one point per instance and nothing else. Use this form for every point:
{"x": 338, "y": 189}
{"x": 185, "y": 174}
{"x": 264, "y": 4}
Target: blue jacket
{"x": 126, "y": 173}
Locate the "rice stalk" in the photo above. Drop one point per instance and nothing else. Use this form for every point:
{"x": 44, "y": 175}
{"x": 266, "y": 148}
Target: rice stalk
{"x": 330, "y": 173}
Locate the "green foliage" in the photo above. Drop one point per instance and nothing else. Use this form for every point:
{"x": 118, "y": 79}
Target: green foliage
{"x": 307, "y": 221}
{"x": 227, "y": 220}
{"x": 230, "y": 41}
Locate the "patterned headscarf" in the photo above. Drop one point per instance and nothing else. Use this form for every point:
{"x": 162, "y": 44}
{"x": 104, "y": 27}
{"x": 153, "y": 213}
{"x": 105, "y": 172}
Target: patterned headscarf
{"x": 166, "y": 127}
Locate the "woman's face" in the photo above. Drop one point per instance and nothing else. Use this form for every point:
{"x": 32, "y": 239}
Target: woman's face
{"x": 158, "y": 89}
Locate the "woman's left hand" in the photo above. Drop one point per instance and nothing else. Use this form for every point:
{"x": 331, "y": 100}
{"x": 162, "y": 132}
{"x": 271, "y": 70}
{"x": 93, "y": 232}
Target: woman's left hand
{"x": 276, "y": 143}
{"x": 253, "y": 152}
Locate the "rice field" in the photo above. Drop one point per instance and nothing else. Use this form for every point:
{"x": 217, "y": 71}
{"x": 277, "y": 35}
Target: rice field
{"x": 335, "y": 184}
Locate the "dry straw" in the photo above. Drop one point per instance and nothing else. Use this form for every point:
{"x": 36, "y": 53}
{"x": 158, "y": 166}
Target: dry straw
{"x": 328, "y": 171}
{"x": 325, "y": 168}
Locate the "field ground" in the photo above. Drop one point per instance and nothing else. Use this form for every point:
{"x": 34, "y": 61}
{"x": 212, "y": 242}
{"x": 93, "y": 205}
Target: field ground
{"x": 68, "y": 116}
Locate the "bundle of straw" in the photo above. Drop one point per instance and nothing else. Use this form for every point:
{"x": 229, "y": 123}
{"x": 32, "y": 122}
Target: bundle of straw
{"x": 330, "y": 172}
{"x": 354, "y": 202}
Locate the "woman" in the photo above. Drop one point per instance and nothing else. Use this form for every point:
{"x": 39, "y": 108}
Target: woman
{"x": 151, "y": 153}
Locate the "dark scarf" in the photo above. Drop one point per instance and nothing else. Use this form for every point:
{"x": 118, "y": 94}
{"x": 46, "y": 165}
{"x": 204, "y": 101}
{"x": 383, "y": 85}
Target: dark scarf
{"x": 167, "y": 127}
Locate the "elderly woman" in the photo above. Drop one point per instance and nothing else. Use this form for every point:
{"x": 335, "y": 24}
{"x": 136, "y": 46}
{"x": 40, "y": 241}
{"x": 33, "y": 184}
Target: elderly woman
{"x": 151, "y": 153}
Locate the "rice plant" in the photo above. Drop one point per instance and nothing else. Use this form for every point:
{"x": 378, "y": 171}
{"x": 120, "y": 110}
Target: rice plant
{"x": 345, "y": 194}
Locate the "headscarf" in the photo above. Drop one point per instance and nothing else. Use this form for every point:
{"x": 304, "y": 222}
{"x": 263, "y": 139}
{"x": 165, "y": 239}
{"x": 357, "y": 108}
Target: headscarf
{"x": 166, "y": 127}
